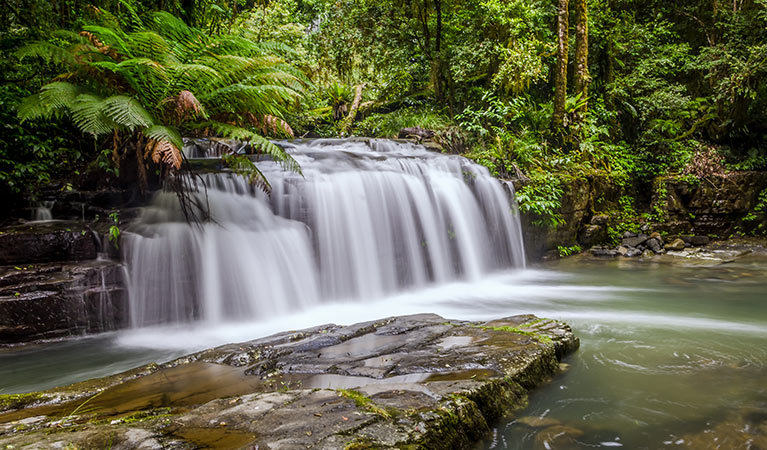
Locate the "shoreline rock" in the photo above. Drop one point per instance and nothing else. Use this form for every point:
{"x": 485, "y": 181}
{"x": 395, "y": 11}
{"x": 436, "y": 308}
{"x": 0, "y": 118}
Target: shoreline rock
{"x": 404, "y": 382}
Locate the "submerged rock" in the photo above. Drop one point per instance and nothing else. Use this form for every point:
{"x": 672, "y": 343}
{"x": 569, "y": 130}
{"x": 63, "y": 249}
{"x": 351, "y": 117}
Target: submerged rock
{"x": 415, "y": 381}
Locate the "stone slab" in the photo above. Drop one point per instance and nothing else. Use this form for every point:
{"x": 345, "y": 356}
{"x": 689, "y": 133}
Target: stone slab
{"x": 403, "y": 382}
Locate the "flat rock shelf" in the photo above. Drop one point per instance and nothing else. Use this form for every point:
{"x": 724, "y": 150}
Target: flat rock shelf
{"x": 420, "y": 382}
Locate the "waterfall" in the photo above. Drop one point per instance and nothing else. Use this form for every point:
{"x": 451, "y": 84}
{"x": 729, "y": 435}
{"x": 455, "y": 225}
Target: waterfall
{"x": 368, "y": 218}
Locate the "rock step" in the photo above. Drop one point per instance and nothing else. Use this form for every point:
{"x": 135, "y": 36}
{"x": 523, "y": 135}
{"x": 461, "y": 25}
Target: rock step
{"x": 404, "y": 382}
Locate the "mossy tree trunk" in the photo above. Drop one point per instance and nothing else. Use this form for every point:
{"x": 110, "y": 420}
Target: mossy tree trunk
{"x": 582, "y": 77}
{"x": 560, "y": 82}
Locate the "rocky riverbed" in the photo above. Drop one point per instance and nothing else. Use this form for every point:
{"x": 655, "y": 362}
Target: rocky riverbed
{"x": 403, "y": 382}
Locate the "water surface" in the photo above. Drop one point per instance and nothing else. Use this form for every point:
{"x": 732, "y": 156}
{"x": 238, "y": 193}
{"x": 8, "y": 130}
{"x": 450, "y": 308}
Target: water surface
{"x": 669, "y": 352}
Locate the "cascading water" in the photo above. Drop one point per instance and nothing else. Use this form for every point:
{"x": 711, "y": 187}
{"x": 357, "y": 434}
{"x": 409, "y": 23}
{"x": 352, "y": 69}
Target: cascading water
{"x": 366, "y": 219}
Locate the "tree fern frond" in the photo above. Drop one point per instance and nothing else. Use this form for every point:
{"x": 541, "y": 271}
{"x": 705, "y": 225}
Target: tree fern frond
{"x": 265, "y": 99}
{"x": 256, "y": 141}
{"x": 148, "y": 44}
{"x": 164, "y": 133}
{"x": 47, "y": 52}
{"x": 196, "y": 77}
{"x": 86, "y": 111}
{"x": 127, "y": 111}
{"x": 134, "y": 21}
{"x": 165, "y": 152}
{"x": 244, "y": 167}
{"x": 188, "y": 39}
{"x": 52, "y": 99}
{"x": 114, "y": 39}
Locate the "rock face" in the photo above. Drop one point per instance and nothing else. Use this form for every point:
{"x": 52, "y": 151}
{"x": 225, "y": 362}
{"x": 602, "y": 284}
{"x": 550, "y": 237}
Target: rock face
{"x": 52, "y": 285}
{"x": 45, "y": 301}
{"x": 46, "y": 243}
{"x": 404, "y": 382}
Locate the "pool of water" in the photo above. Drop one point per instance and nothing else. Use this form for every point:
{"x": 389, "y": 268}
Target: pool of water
{"x": 672, "y": 355}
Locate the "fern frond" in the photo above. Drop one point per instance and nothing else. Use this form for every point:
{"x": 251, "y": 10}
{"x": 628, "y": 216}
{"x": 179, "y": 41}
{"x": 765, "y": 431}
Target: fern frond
{"x": 47, "y": 52}
{"x": 112, "y": 38}
{"x": 52, "y": 99}
{"x": 188, "y": 39}
{"x": 164, "y": 133}
{"x": 166, "y": 152}
{"x": 266, "y": 99}
{"x": 148, "y": 44}
{"x": 256, "y": 141}
{"x": 134, "y": 21}
{"x": 87, "y": 115}
{"x": 127, "y": 111}
{"x": 244, "y": 167}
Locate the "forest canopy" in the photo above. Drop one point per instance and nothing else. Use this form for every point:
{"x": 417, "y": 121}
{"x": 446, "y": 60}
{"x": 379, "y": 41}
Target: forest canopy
{"x": 537, "y": 89}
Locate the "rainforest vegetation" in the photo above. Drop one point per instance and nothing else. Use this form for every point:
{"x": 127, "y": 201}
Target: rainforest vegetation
{"x": 99, "y": 94}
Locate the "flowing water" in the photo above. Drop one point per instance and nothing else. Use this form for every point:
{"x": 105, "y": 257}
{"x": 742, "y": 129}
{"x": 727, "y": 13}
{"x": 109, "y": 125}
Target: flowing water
{"x": 366, "y": 219}
{"x": 673, "y": 355}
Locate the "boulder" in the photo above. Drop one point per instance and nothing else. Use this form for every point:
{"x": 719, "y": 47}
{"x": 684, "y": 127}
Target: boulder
{"x": 676, "y": 244}
{"x": 415, "y": 132}
{"x": 635, "y": 241}
{"x": 654, "y": 244}
{"x": 604, "y": 252}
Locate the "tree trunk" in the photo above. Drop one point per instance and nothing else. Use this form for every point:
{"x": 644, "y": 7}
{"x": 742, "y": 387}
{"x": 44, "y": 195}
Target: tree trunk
{"x": 560, "y": 83}
{"x": 582, "y": 77}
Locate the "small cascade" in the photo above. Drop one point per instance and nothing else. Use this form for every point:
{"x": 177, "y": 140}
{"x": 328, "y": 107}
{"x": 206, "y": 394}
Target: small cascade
{"x": 42, "y": 212}
{"x": 368, "y": 218}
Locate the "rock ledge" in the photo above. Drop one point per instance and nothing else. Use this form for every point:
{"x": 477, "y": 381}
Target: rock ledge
{"x": 419, "y": 382}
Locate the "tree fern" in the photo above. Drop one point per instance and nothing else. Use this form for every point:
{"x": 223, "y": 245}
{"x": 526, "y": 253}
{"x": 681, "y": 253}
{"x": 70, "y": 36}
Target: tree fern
{"x": 149, "y": 79}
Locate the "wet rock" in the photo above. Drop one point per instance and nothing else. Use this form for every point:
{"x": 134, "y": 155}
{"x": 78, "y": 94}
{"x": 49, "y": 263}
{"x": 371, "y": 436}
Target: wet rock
{"x": 635, "y": 241}
{"x": 676, "y": 244}
{"x": 47, "y": 243}
{"x": 633, "y": 252}
{"x": 622, "y": 250}
{"x": 415, "y": 381}
{"x": 655, "y": 245}
{"x": 45, "y": 301}
{"x": 657, "y": 236}
{"x": 415, "y": 132}
{"x": 648, "y": 253}
{"x": 604, "y": 252}
{"x": 592, "y": 234}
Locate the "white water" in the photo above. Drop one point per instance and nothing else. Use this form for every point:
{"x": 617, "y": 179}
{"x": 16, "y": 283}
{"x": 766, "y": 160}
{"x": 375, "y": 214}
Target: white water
{"x": 368, "y": 219}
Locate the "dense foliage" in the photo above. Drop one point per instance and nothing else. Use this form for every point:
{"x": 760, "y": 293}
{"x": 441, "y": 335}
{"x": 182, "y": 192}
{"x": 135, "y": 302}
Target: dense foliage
{"x": 654, "y": 87}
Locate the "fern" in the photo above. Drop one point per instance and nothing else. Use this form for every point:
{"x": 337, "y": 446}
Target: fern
{"x": 127, "y": 112}
{"x": 147, "y": 80}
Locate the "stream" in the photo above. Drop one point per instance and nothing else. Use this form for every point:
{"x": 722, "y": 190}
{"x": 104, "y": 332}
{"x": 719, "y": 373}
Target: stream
{"x": 669, "y": 352}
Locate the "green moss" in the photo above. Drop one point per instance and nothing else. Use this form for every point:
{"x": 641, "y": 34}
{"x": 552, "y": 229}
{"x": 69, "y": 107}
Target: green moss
{"x": 540, "y": 337}
{"x": 360, "y": 444}
{"x": 16, "y": 401}
{"x": 365, "y": 403}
